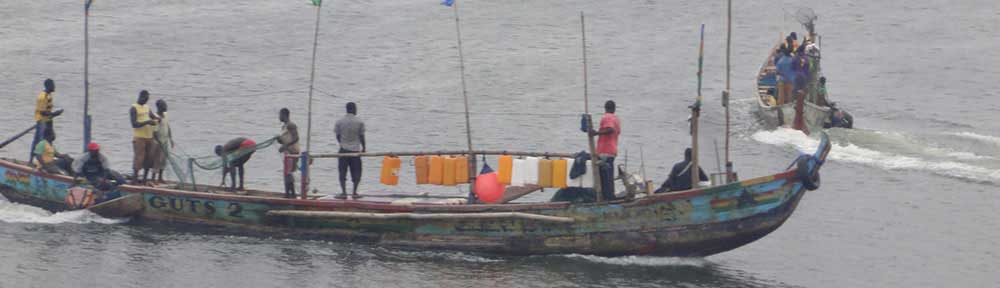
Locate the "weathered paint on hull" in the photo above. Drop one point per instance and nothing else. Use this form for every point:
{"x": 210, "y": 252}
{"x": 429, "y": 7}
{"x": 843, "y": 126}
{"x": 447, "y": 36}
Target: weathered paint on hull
{"x": 690, "y": 223}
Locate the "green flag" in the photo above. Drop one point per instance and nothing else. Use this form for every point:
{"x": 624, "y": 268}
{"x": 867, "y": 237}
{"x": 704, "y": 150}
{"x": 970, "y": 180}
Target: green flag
{"x": 317, "y": 2}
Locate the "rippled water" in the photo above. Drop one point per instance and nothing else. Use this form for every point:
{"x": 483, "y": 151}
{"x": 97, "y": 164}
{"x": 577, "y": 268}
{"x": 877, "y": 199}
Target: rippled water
{"x": 907, "y": 200}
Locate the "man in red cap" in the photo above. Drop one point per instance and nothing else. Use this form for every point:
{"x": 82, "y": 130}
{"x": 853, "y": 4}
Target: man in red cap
{"x": 94, "y": 167}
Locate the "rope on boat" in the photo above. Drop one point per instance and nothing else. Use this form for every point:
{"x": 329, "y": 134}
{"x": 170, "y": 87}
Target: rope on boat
{"x": 420, "y": 216}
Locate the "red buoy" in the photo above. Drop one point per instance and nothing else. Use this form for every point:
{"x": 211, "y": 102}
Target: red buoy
{"x": 488, "y": 187}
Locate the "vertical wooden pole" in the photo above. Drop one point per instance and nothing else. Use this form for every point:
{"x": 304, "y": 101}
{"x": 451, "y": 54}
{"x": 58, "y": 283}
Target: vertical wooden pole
{"x": 312, "y": 81}
{"x": 465, "y": 96}
{"x": 729, "y": 45}
{"x": 86, "y": 70}
{"x": 695, "y": 113}
{"x": 586, "y": 110}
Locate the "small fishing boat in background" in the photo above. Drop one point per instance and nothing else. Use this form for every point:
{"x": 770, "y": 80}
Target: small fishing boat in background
{"x": 817, "y": 113}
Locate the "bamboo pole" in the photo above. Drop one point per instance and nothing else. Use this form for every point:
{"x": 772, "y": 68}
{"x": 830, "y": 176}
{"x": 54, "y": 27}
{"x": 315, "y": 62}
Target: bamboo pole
{"x": 86, "y": 70}
{"x": 312, "y": 82}
{"x": 729, "y": 37}
{"x": 420, "y": 216}
{"x": 586, "y": 111}
{"x": 695, "y": 113}
{"x": 465, "y": 96}
{"x": 443, "y": 152}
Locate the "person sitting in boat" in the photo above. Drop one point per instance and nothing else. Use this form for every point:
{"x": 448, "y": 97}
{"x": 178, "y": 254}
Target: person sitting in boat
{"x": 235, "y": 154}
{"x": 93, "y": 166}
{"x": 48, "y": 159}
{"x": 680, "y": 175}
{"x": 821, "y": 93}
{"x": 839, "y": 118}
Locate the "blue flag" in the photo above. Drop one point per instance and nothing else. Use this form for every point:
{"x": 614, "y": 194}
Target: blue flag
{"x": 447, "y": 2}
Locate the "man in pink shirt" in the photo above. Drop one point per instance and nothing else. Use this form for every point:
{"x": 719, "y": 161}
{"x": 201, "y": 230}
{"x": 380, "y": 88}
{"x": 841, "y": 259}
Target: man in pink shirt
{"x": 607, "y": 147}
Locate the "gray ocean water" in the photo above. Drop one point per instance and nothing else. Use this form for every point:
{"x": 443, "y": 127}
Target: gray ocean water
{"x": 908, "y": 200}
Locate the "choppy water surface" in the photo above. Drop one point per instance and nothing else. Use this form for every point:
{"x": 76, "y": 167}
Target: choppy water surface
{"x": 908, "y": 200}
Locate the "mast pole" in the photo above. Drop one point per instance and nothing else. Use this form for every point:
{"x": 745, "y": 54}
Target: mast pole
{"x": 695, "y": 113}
{"x": 312, "y": 81}
{"x": 465, "y": 96}
{"x": 86, "y": 73}
{"x": 586, "y": 111}
{"x": 728, "y": 92}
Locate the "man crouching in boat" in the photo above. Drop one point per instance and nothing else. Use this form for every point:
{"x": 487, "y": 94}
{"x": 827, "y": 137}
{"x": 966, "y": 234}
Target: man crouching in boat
{"x": 680, "y": 175}
{"x": 93, "y": 166}
{"x": 48, "y": 159}
{"x": 242, "y": 149}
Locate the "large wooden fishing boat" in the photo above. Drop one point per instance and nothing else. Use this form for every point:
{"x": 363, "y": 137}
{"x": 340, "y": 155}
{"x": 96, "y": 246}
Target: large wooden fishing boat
{"x": 697, "y": 222}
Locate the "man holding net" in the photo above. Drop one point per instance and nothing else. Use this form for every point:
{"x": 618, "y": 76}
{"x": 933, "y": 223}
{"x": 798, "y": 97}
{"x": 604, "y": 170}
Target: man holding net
{"x": 235, "y": 154}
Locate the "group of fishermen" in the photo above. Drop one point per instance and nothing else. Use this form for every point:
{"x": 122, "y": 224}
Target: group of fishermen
{"x": 152, "y": 140}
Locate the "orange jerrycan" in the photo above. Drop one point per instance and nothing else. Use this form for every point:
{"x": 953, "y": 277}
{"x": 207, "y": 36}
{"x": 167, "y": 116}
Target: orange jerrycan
{"x": 545, "y": 173}
{"x": 437, "y": 171}
{"x": 559, "y": 173}
{"x": 506, "y": 169}
{"x": 422, "y": 163}
{"x": 448, "y": 177}
{"x": 390, "y": 170}
{"x": 461, "y": 170}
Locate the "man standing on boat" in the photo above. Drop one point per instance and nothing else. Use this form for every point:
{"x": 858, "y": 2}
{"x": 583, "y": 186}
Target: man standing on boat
{"x": 350, "y": 132}
{"x": 44, "y": 113}
{"x": 143, "y": 124}
{"x": 164, "y": 141}
{"x": 289, "y": 140}
{"x": 607, "y": 148}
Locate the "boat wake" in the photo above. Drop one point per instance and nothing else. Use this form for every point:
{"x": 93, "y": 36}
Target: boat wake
{"x": 648, "y": 261}
{"x": 955, "y": 155}
{"x": 18, "y": 213}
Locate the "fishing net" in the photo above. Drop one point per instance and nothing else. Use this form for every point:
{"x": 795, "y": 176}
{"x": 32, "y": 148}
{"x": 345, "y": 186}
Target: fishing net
{"x": 183, "y": 164}
{"x": 807, "y": 17}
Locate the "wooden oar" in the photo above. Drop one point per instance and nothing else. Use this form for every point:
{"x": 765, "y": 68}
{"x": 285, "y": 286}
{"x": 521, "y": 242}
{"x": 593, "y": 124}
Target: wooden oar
{"x": 121, "y": 207}
{"x": 18, "y": 136}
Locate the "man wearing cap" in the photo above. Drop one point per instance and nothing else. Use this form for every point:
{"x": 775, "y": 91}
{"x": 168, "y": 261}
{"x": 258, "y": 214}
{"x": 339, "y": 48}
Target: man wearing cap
{"x": 607, "y": 148}
{"x": 143, "y": 124}
{"x": 235, "y": 153}
{"x": 93, "y": 166}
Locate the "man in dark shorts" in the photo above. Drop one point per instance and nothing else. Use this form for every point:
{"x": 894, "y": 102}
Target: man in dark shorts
{"x": 242, "y": 149}
{"x": 350, "y": 132}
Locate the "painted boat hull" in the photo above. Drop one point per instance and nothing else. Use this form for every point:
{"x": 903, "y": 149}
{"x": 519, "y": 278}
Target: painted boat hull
{"x": 688, "y": 223}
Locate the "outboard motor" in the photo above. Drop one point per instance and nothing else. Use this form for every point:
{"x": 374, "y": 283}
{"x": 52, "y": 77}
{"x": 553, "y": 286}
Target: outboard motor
{"x": 839, "y": 118}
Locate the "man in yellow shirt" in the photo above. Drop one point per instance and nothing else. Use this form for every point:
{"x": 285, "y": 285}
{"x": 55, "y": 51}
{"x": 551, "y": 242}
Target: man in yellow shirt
{"x": 48, "y": 159}
{"x": 143, "y": 124}
{"x": 44, "y": 113}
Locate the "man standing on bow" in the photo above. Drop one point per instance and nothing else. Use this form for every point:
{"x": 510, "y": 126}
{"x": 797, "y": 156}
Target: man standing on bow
{"x": 44, "y": 113}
